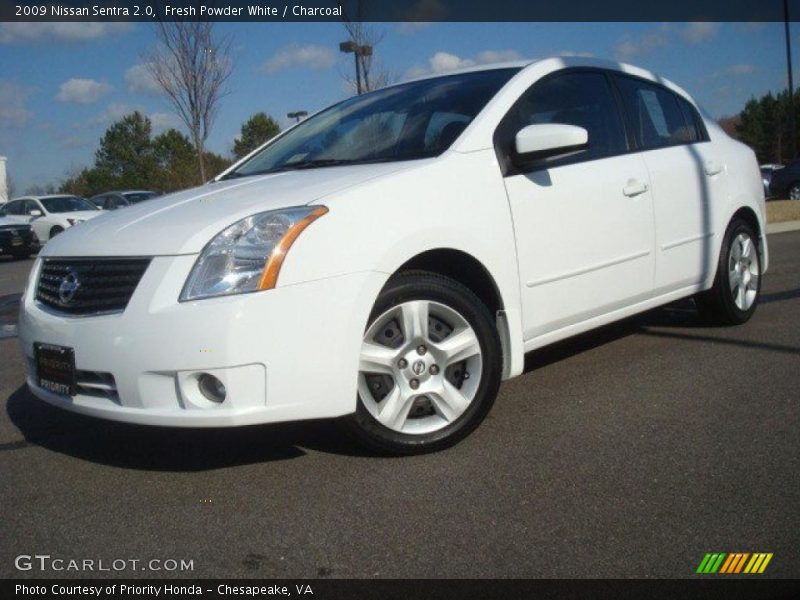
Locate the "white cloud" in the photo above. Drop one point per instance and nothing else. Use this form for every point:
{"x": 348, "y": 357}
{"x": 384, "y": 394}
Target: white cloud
{"x": 13, "y": 109}
{"x": 308, "y": 57}
{"x": 574, "y": 53}
{"x": 497, "y": 56}
{"x": 444, "y": 62}
{"x": 139, "y": 80}
{"x": 410, "y": 27}
{"x": 82, "y": 91}
{"x": 631, "y": 46}
{"x": 163, "y": 121}
{"x": 114, "y": 112}
{"x": 699, "y": 31}
{"x": 48, "y": 33}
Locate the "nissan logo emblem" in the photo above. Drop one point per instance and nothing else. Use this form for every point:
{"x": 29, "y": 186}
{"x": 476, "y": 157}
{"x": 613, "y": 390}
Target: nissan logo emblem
{"x": 69, "y": 287}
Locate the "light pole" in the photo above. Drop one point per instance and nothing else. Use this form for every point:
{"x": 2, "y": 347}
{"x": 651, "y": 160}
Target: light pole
{"x": 297, "y": 115}
{"x": 358, "y": 51}
{"x": 792, "y": 125}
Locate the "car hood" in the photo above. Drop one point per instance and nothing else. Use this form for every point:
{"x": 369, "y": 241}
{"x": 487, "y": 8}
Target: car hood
{"x": 184, "y": 222}
{"x": 12, "y": 221}
{"x": 83, "y": 215}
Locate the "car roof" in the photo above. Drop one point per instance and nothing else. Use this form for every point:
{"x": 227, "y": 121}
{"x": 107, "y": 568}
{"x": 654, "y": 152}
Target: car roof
{"x": 568, "y": 61}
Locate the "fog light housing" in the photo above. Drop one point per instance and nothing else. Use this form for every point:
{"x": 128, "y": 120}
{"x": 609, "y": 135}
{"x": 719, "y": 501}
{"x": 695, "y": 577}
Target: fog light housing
{"x": 211, "y": 388}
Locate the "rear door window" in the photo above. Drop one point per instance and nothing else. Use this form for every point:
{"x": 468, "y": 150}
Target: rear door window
{"x": 656, "y": 118}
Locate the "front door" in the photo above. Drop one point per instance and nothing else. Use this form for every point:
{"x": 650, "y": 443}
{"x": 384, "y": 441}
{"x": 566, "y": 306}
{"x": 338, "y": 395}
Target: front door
{"x": 584, "y": 223}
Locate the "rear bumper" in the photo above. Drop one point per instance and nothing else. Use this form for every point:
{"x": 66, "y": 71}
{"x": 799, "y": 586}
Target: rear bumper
{"x": 285, "y": 354}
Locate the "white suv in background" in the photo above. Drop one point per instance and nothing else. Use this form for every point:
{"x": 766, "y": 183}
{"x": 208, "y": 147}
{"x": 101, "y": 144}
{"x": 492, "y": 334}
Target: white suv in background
{"x": 390, "y": 259}
{"x": 50, "y": 215}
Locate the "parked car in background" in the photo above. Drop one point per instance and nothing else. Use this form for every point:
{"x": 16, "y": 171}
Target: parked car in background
{"x": 120, "y": 199}
{"x": 390, "y": 259}
{"x": 766, "y": 176}
{"x": 785, "y": 182}
{"x": 50, "y": 215}
{"x": 17, "y": 239}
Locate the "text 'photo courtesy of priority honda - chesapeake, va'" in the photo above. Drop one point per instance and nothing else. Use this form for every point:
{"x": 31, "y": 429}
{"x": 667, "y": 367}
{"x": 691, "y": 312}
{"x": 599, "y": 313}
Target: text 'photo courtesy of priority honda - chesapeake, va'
{"x": 393, "y": 299}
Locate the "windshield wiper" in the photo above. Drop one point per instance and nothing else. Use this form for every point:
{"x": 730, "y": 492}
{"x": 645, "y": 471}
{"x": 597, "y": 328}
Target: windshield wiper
{"x": 314, "y": 163}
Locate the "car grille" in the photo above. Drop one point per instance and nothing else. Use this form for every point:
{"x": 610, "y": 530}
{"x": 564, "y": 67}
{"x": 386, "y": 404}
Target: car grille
{"x": 86, "y": 286}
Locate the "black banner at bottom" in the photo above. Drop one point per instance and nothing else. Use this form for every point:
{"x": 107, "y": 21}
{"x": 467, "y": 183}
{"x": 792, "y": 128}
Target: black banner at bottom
{"x": 750, "y": 588}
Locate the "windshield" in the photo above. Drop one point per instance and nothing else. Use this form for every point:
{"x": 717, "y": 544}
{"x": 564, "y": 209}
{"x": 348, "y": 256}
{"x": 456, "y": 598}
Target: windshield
{"x": 62, "y": 204}
{"x": 134, "y": 197}
{"x": 404, "y": 122}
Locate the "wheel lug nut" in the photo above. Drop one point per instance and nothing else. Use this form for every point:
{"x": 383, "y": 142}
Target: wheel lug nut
{"x": 434, "y": 369}
{"x": 402, "y": 363}
{"x": 421, "y": 349}
{"x": 414, "y": 383}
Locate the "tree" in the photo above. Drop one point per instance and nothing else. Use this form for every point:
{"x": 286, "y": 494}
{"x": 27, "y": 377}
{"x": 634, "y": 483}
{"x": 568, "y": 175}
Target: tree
{"x": 130, "y": 158}
{"x": 192, "y": 65}
{"x": 764, "y": 126}
{"x": 255, "y": 131}
{"x": 125, "y": 156}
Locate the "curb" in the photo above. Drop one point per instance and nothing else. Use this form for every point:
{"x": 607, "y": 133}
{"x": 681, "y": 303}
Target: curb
{"x": 782, "y": 227}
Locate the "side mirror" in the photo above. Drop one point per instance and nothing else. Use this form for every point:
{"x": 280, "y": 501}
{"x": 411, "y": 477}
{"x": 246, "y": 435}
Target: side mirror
{"x": 550, "y": 139}
{"x": 35, "y": 213}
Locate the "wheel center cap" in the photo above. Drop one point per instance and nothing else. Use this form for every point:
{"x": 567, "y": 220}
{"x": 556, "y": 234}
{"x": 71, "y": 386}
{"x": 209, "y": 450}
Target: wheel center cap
{"x": 419, "y": 367}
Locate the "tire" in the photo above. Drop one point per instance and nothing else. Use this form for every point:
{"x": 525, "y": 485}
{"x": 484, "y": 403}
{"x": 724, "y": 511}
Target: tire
{"x": 456, "y": 347}
{"x": 737, "y": 285}
{"x": 55, "y": 231}
{"x": 794, "y": 191}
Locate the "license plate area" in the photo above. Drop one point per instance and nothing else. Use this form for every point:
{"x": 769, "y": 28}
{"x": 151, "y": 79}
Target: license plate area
{"x": 55, "y": 368}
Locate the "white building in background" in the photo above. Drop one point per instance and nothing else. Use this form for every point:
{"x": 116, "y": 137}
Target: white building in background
{"x": 3, "y": 182}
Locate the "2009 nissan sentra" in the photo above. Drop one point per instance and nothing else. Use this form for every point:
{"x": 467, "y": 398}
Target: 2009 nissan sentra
{"x": 390, "y": 259}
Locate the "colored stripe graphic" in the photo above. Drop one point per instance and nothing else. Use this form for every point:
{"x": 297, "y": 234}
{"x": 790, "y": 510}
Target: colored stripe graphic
{"x": 734, "y": 563}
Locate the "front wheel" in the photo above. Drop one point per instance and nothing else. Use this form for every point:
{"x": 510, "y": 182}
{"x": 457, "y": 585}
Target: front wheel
{"x": 430, "y": 366}
{"x": 737, "y": 286}
{"x": 794, "y": 191}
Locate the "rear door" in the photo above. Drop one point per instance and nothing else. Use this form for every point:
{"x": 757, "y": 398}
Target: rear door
{"x": 583, "y": 223}
{"x": 686, "y": 176}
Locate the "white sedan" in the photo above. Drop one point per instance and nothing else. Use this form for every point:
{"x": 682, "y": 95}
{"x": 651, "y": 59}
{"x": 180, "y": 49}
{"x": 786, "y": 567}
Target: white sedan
{"x": 392, "y": 258}
{"x": 50, "y": 215}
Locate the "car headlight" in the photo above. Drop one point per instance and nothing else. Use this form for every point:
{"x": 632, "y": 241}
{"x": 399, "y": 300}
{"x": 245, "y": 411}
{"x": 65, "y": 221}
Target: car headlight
{"x": 247, "y": 256}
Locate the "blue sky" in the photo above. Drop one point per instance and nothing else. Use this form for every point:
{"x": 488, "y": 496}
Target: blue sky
{"x": 61, "y": 84}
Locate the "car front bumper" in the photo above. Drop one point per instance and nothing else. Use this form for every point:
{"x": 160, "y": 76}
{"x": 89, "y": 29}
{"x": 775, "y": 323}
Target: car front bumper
{"x": 285, "y": 354}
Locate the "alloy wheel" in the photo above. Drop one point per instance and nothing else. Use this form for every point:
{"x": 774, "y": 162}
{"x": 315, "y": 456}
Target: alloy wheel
{"x": 420, "y": 367}
{"x": 743, "y": 271}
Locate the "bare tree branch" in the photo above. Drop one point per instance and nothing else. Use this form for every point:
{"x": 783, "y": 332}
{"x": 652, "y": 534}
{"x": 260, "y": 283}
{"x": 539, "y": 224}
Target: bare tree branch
{"x": 373, "y": 75}
{"x": 192, "y": 65}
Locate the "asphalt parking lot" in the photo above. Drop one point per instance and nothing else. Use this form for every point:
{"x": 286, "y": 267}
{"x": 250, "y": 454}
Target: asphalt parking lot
{"x": 628, "y": 452}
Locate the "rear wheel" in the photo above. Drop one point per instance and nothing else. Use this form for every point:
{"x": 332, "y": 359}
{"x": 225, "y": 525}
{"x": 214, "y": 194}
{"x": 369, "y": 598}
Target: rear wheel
{"x": 430, "y": 366}
{"x": 737, "y": 286}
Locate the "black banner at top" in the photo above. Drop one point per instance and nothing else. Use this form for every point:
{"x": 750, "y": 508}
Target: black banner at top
{"x": 398, "y": 10}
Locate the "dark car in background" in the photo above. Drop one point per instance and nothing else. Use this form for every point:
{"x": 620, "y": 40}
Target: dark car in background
{"x": 766, "y": 176}
{"x": 17, "y": 239}
{"x": 785, "y": 182}
{"x": 120, "y": 199}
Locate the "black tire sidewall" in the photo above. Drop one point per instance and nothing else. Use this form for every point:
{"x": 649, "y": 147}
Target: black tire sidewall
{"x": 448, "y": 292}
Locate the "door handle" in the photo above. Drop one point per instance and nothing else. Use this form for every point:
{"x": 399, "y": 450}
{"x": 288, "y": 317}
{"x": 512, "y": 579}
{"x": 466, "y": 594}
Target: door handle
{"x": 712, "y": 167}
{"x": 634, "y": 187}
